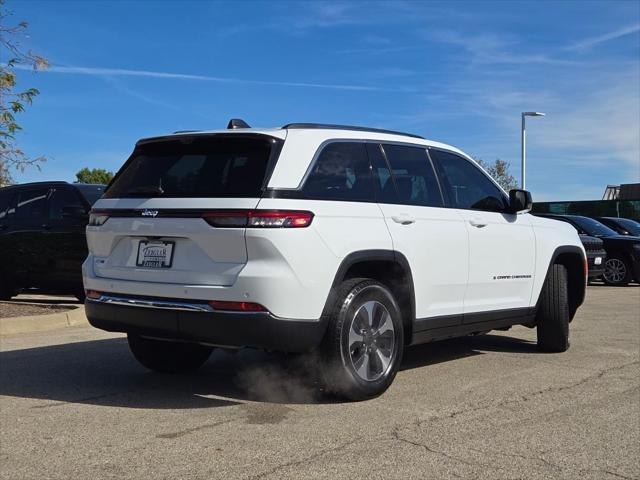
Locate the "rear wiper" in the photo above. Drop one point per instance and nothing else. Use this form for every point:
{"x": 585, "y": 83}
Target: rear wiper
{"x": 146, "y": 190}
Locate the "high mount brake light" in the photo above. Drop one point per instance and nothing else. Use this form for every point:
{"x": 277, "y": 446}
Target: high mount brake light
{"x": 258, "y": 218}
{"x": 98, "y": 217}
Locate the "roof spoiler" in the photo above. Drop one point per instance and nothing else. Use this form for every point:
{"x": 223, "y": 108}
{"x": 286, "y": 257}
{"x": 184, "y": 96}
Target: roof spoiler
{"x": 237, "y": 123}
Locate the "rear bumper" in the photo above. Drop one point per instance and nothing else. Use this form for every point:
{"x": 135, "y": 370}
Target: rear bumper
{"x": 225, "y": 329}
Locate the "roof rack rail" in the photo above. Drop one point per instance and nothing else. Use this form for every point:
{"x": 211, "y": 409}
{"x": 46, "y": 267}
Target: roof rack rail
{"x": 348, "y": 127}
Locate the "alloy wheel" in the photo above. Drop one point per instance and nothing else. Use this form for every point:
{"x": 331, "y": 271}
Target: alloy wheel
{"x": 615, "y": 270}
{"x": 371, "y": 341}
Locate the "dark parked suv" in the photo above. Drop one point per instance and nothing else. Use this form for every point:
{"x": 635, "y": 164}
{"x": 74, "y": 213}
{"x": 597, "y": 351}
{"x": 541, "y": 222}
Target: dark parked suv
{"x": 623, "y": 251}
{"x": 42, "y": 236}
{"x": 624, "y": 226}
{"x": 596, "y": 255}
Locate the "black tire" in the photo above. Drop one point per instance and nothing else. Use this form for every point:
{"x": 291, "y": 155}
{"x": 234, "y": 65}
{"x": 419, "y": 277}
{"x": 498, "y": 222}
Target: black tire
{"x": 80, "y": 295}
{"x": 617, "y": 271}
{"x": 6, "y": 289}
{"x": 166, "y": 356}
{"x": 553, "y": 312}
{"x": 382, "y": 342}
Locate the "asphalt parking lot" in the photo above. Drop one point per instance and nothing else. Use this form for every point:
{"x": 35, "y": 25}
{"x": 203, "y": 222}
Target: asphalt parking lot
{"x": 75, "y": 405}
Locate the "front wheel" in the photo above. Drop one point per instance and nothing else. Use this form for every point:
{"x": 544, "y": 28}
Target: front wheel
{"x": 617, "y": 271}
{"x": 363, "y": 346}
{"x": 553, "y": 312}
{"x": 168, "y": 357}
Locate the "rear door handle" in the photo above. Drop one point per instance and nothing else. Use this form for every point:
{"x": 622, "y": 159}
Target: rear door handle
{"x": 478, "y": 223}
{"x": 45, "y": 226}
{"x": 403, "y": 219}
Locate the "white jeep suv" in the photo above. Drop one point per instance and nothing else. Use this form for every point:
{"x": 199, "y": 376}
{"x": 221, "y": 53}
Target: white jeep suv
{"x": 344, "y": 241}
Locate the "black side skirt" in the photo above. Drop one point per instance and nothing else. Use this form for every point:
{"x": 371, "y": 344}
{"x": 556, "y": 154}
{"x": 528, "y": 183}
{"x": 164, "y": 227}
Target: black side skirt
{"x": 450, "y": 326}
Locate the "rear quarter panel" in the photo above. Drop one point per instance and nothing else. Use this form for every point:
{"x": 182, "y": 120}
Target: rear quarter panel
{"x": 299, "y": 265}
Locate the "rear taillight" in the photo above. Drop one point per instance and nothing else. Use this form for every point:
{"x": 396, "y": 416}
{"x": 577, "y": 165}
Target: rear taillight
{"x": 98, "y": 217}
{"x": 237, "y": 306}
{"x": 258, "y": 218}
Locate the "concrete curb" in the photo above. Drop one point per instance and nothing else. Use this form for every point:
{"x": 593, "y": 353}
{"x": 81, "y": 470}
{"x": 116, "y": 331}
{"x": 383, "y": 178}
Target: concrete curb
{"x": 39, "y": 323}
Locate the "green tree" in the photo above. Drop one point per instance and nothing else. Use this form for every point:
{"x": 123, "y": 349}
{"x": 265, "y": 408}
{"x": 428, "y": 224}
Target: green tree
{"x": 12, "y": 99}
{"x": 95, "y": 175}
{"x": 500, "y": 171}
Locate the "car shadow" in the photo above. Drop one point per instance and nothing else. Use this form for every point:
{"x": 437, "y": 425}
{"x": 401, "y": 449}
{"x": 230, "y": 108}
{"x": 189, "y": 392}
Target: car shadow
{"x": 457, "y": 348}
{"x": 103, "y": 372}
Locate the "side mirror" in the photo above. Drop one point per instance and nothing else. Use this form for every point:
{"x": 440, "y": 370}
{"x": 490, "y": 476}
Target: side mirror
{"x": 74, "y": 211}
{"x": 520, "y": 201}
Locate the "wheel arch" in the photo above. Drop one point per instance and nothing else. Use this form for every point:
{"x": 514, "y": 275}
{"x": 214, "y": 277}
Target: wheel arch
{"x": 573, "y": 259}
{"x": 388, "y": 267}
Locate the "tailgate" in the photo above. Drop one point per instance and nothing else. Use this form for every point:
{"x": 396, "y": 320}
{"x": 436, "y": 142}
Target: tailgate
{"x": 149, "y": 224}
{"x": 199, "y": 254}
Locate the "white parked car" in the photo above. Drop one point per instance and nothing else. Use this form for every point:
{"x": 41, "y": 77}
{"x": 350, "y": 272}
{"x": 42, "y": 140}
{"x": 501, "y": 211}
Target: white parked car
{"x": 349, "y": 242}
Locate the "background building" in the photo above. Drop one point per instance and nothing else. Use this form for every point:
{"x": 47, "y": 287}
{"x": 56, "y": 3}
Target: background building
{"x": 618, "y": 201}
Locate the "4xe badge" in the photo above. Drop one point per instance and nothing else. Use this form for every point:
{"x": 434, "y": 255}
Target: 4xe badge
{"x": 149, "y": 213}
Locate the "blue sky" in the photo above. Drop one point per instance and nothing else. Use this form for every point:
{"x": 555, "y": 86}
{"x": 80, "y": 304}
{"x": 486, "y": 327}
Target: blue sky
{"x": 455, "y": 72}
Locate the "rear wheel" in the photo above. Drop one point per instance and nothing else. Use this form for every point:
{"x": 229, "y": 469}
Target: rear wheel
{"x": 617, "y": 271}
{"x": 553, "y": 313}
{"x": 80, "y": 295}
{"x": 166, "y": 356}
{"x": 363, "y": 346}
{"x": 6, "y": 289}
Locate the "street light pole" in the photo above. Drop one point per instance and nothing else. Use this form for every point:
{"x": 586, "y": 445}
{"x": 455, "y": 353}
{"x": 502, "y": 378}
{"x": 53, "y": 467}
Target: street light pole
{"x": 523, "y": 147}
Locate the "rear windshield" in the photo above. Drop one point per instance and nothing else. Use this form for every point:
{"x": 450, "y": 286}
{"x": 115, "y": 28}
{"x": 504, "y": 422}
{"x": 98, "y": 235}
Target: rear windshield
{"x": 199, "y": 166}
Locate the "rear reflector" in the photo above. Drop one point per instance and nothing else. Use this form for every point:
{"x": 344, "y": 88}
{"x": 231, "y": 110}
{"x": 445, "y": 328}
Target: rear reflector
{"x": 237, "y": 306}
{"x": 585, "y": 262}
{"x": 93, "y": 294}
{"x": 258, "y": 218}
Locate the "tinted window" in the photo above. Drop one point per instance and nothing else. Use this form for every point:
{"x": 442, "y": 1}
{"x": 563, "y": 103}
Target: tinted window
{"x": 62, "y": 198}
{"x": 341, "y": 172}
{"x": 592, "y": 227}
{"x": 412, "y": 177}
{"x": 625, "y": 224}
{"x": 91, "y": 193}
{"x": 201, "y": 166}
{"x": 32, "y": 204}
{"x": 466, "y": 186}
{"x": 5, "y": 198}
